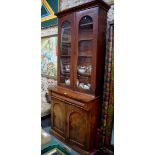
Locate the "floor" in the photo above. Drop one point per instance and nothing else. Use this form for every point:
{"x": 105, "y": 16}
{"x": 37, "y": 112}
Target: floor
{"x": 46, "y": 125}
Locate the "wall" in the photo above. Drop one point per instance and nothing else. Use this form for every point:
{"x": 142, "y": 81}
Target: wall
{"x": 46, "y": 82}
{"x": 64, "y": 4}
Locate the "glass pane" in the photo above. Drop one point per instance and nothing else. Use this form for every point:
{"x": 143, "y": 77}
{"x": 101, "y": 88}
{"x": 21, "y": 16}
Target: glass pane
{"x": 85, "y": 49}
{"x": 65, "y": 53}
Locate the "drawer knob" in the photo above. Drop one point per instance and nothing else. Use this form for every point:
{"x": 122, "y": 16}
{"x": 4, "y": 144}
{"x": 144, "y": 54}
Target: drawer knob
{"x": 65, "y": 93}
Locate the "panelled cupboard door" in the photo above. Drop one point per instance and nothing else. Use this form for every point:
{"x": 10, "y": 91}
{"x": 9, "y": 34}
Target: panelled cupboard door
{"x": 58, "y": 112}
{"x": 66, "y": 46}
{"x": 77, "y": 126}
{"x": 86, "y": 50}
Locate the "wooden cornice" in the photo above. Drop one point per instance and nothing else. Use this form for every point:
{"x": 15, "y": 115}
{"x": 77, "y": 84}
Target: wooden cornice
{"x": 90, "y": 4}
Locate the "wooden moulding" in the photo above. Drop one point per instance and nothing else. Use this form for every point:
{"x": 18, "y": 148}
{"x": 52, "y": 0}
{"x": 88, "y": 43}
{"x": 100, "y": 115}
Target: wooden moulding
{"x": 73, "y": 94}
{"x": 92, "y": 3}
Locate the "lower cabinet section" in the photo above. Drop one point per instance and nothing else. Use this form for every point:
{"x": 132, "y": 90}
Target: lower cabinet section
{"x": 73, "y": 124}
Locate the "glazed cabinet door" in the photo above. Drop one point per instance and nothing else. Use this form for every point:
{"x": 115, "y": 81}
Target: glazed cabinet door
{"x": 58, "y": 116}
{"x": 77, "y": 127}
{"x": 86, "y": 49}
{"x": 65, "y": 48}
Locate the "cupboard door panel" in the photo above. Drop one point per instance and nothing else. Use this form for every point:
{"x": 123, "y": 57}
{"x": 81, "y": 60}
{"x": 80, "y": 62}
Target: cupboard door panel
{"x": 77, "y": 126}
{"x": 58, "y": 116}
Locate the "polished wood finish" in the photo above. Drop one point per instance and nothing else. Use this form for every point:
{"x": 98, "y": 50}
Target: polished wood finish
{"x": 95, "y": 9}
{"x": 90, "y": 4}
{"x": 75, "y": 118}
{"x": 75, "y": 110}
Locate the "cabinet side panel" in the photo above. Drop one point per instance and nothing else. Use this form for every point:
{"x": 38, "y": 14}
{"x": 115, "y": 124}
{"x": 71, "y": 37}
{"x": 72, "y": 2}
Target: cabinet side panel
{"x": 101, "y": 50}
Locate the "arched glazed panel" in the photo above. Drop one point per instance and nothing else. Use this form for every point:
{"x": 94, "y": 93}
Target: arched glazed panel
{"x": 65, "y": 53}
{"x": 85, "y": 52}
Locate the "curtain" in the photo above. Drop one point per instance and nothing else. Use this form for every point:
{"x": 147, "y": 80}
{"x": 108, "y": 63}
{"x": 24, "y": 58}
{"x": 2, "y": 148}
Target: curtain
{"x": 107, "y": 114}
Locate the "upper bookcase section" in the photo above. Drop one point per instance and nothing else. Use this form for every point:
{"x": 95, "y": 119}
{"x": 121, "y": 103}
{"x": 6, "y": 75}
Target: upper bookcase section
{"x": 82, "y": 47}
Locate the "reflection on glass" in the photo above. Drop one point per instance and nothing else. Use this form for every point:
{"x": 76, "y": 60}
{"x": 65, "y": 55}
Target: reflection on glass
{"x": 65, "y": 53}
{"x": 85, "y": 47}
